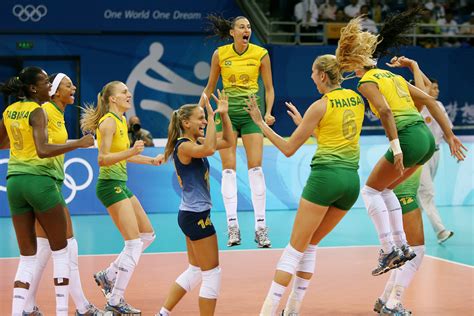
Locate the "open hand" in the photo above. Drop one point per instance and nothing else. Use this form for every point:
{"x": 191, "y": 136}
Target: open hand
{"x": 402, "y": 61}
{"x": 294, "y": 113}
{"x": 457, "y": 149}
{"x": 253, "y": 110}
{"x": 222, "y": 102}
{"x": 398, "y": 162}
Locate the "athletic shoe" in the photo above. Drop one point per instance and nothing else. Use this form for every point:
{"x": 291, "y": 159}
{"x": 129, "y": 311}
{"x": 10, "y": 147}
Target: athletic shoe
{"x": 93, "y": 311}
{"x": 389, "y": 261}
{"x": 35, "y": 312}
{"x": 105, "y": 284}
{"x": 398, "y": 310}
{"x": 379, "y": 304}
{"x": 444, "y": 235}
{"x": 122, "y": 309}
{"x": 234, "y": 236}
{"x": 261, "y": 238}
{"x": 290, "y": 314}
{"x": 408, "y": 253}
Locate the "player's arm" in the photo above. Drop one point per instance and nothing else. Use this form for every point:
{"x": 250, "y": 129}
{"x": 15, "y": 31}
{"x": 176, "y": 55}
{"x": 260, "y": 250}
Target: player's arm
{"x": 213, "y": 77}
{"x": 3, "y": 132}
{"x": 266, "y": 73}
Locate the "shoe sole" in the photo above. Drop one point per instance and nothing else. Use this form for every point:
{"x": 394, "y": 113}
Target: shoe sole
{"x": 440, "y": 241}
{"x": 233, "y": 244}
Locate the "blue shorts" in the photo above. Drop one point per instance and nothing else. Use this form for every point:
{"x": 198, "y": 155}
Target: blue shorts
{"x": 196, "y": 225}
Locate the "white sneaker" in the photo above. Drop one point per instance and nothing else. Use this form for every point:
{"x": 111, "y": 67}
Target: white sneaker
{"x": 261, "y": 238}
{"x": 234, "y": 236}
{"x": 444, "y": 235}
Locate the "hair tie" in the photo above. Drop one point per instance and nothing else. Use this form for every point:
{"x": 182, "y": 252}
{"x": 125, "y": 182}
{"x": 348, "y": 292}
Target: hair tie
{"x": 55, "y": 84}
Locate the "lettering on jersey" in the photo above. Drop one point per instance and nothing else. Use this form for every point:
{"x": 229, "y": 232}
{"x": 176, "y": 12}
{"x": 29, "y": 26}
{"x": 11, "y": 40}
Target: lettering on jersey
{"x": 251, "y": 64}
{"x": 346, "y": 102}
{"x": 18, "y": 115}
{"x": 59, "y": 124}
{"x": 384, "y": 75}
{"x": 121, "y": 133}
{"x": 228, "y": 63}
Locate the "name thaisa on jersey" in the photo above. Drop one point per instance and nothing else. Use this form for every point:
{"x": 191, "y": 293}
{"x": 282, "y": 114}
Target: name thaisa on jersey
{"x": 346, "y": 102}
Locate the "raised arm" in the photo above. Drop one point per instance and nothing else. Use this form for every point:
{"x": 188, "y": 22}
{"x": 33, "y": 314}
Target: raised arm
{"x": 266, "y": 73}
{"x": 213, "y": 77}
{"x": 455, "y": 145}
{"x": 421, "y": 80}
{"x": 39, "y": 123}
{"x": 311, "y": 119}
{"x": 106, "y": 158}
{"x": 227, "y": 139}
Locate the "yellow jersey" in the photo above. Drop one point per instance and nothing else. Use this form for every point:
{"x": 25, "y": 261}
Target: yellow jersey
{"x": 120, "y": 142}
{"x": 23, "y": 156}
{"x": 338, "y": 132}
{"x": 395, "y": 90}
{"x": 240, "y": 73}
{"x": 57, "y": 134}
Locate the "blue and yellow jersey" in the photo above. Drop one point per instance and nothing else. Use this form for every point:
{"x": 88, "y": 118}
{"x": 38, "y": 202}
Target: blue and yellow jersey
{"x": 23, "y": 156}
{"x": 120, "y": 142}
{"x": 57, "y": 134}
{"x": 194, "y": 180}
{"x": 338, "y": 132}
{"x": 395, "y": 90}
{"x": 240, "y": 73}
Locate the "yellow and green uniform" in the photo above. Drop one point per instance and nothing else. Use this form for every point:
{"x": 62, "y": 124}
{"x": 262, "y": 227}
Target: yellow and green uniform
{"x": 240, "y": 74}
{"x": 111, "y": 186}
{"x": 416, "y": 140}
{"x": 407, "y": 192}
{"x": 31, "y": 181}
{"x": 334, "y": 180}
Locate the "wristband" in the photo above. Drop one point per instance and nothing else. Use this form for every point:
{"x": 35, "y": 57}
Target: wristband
{"x": 395, "y": 145}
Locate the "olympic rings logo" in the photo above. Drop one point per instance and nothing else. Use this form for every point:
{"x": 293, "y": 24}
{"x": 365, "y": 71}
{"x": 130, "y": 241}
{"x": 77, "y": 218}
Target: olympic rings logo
{"x": 69, "y": 181}
{"x": 29, "y": 12}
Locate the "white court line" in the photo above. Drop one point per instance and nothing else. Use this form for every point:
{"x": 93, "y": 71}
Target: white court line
{"x": 449, "y": 261}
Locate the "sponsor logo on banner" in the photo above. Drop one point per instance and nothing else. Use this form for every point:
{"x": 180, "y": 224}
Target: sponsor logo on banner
{"x": 29, "y": 12}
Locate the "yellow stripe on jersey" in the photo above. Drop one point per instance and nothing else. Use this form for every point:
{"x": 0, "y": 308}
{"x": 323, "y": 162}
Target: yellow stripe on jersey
{"x": 338, "y": 132}
{"x": 240, "y": 72}
{"x": 395, "y": 90}
{"x": 120, "y": 142}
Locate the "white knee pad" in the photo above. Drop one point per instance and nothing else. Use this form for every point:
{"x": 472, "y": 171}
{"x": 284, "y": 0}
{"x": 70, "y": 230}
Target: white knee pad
{"x": 61, "y": 264}
{"x": 26, "y": 269}
{"x": 211, "y": 283}
{"x": 132, "y": 253}
{"x": 289, "y": 260}
{"x": 189, "y": 278}
{"x": 147, "y": 239}
{"x": 257, "y": 181}
{"x": 372, "y": 199}
{"x": 308, "y": 262}
{"x": 229, "y": 184}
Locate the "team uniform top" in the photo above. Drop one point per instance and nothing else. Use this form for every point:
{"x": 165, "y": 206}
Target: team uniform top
{"x": 338, "y": 132}
{"x": 57, "y": 133}
{"x": 120, "y": 142}
{"x": 240, "y": 73}
{"x": 433, "y": 125}
{"x": 23, "y": 156}
{"x": 395, "y": 90}
{"x": 194, "y": 180}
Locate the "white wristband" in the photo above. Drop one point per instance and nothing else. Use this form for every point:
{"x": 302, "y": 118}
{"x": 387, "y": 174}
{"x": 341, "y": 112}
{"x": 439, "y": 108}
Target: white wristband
{"x": 395, "y": 145}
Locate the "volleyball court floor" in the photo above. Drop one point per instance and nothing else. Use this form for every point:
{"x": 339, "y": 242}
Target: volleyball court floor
{"x": 342, "y": 284}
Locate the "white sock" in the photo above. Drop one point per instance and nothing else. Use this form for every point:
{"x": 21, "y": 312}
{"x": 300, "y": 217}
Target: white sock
{"x": 62, "y": 271}
{"x": 164, "y": 312}
{"x": 128, "y": 260}
{"x": 389, "y": 285}
{"x": 404, "y": 277}
{"x": 112, "y": 270}
{"x": 147, "y": 239}
{"x": 75, "y": 287}
{"x": 300, "y": 285}
{"x": 229, "y": 195}
{"x": 24, "y": 274}
{"x": 259, "y": 190}
{"x": 43, "y": 253}
{"x": 395, "y": 216}
{"x": 270, "y": 305}
{"x": 378, "y": 213}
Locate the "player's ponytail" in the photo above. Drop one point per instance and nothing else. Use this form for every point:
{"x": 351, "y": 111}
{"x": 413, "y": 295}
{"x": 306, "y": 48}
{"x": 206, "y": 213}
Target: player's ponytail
{"x": 175, "y": 129}
{"x": 221, "y": 27}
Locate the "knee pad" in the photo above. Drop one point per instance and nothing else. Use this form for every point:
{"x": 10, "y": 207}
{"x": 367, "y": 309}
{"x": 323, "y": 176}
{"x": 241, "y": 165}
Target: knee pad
{"x": 391, "y": 200}
{"x": 189, "y": 278}
{"x": 211, "y": 283}
{"x": 131, "y": 252}
{"x": 61, "y": 264}
{"x": 26, "y": 269}
{"x": 308, "y": 262}
{"x": 229, "y": 184}
{"x": 289, "y": 260}
{"x": 420, "y": 254}
{"x": 372, "y": 199}
{"x": 147, "y": 239}
{"x": 257, "y": 181}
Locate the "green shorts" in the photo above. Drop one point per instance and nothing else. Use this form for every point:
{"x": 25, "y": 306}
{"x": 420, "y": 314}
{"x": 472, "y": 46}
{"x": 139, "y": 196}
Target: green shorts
{"x": 332, "y": 186}
{"x": 112, "y": 191}
{"x": 242, "y": 123}
{"x": 29, "y": 193}
{"x": 417, "y": 143}
{"x": 407, "y": 192}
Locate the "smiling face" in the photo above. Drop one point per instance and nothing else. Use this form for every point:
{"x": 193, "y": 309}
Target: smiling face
{"x": 195, "y": 125}
{"x": 66, "y": 91}
{"x": 121, "y": 97}
{"x": 40, "y": 90}
{"x": 241, "y": 31}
